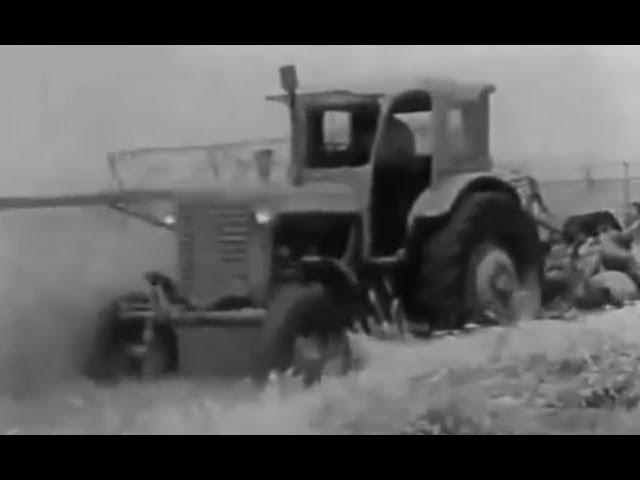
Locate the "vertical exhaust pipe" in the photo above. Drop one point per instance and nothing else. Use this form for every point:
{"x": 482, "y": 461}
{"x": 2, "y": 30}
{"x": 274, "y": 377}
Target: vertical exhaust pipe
{"x": 289, "y": 83}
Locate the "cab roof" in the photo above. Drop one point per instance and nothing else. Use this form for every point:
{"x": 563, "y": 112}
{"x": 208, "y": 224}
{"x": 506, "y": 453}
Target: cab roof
{"x": 455, "y": 90}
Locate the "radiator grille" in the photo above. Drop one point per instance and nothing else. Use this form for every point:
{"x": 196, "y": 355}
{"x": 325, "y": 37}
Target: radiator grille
{"x": 212, "y": 250}
{"x": 233, "y": 234}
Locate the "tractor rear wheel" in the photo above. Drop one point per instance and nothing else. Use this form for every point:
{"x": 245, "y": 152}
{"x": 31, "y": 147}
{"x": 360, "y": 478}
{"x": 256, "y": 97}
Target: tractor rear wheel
{"x": 484, "y": 266}
{"x": 305, "y": 332}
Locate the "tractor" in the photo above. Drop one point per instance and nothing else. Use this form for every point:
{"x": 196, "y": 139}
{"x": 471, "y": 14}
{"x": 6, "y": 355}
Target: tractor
{"x": 390, "y": 215}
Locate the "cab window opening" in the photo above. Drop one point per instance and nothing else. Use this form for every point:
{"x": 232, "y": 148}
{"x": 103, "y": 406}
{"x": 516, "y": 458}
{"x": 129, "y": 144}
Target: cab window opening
{"x": 341, "y": 137}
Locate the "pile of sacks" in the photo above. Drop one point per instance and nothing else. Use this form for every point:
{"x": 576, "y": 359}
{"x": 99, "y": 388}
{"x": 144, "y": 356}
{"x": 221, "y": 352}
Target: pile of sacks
{"x": 587, "y": 269}
{"x": 590, "y": 262}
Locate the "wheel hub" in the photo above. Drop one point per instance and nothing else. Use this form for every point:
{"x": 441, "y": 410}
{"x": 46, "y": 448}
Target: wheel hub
{"x": 496, "y": 282}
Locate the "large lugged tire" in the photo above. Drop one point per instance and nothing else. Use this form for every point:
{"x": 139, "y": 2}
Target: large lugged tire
{"x": 489, "y": 233}
{"x": 303, "y": 313}
{"x": 110, "y": 361}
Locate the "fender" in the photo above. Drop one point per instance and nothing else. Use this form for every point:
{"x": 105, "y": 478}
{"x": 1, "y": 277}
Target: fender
{"x": 331, "y": 272}
{"x": 341, "y": 281}
{"x": 440, "y": 199}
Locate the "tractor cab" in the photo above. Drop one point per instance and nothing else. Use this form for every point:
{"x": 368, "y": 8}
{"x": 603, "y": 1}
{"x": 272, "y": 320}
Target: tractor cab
{"x": 389, "y": 142}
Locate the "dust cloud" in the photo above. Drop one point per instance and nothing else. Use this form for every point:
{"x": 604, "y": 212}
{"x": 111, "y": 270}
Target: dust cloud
{"x": 65, "y": 107}
{"x": 58, "y": 269}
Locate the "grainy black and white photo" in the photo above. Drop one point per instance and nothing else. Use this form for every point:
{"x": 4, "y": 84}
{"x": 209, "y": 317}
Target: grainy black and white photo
{"x": 319, "y": 239}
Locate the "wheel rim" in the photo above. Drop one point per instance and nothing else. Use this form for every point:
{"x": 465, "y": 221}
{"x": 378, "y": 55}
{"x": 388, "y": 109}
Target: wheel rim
{"x": 496, "y": 285}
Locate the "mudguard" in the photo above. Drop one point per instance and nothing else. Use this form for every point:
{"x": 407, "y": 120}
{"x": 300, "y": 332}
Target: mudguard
{"x": 441, "y": 199}
{"x": 331, "y": 272}
{"x": 341, "y": 282}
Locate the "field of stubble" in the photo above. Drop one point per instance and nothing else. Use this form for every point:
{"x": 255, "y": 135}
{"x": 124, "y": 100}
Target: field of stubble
{"x": 541, "y": 377}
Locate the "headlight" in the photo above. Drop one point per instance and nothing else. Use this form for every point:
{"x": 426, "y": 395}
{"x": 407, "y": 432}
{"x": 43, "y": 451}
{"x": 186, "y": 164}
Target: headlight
{"x": 263, "y": 216}
{"x": 169, "y": 219}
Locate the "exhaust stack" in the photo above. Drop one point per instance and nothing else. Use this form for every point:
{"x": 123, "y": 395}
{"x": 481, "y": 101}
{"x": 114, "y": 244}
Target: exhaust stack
{"x": 289, "y": 83}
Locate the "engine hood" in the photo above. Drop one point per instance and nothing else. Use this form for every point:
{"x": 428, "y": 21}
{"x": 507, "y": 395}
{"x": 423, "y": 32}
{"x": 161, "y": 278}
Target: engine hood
{"x": 281, "y": 198}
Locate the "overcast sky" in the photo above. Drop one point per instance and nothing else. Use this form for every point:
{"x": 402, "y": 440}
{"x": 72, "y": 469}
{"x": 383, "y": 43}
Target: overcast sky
{"x": 65, "y": 107}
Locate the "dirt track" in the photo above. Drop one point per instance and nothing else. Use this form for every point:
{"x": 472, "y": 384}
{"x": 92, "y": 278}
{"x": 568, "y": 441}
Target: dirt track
{"x": 494, "y": 381}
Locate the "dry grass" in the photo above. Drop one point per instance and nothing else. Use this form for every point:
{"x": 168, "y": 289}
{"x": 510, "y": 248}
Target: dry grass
{"x": 452, "y": 378}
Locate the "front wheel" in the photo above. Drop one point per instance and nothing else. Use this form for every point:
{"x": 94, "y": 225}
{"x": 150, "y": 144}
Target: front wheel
{"x": 305, "y": 332}
{"x": 484, "y": 265}
{"x": 118, "y": 352}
